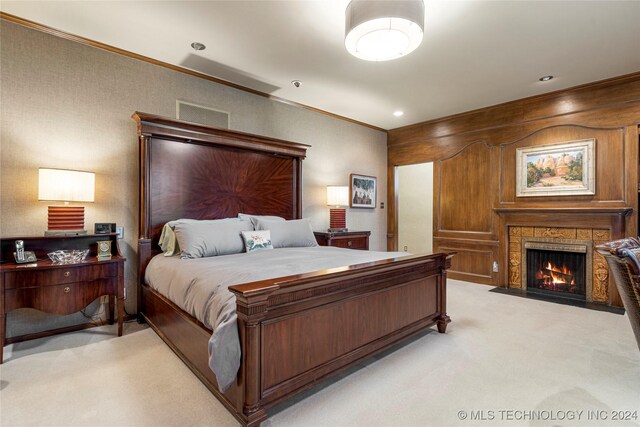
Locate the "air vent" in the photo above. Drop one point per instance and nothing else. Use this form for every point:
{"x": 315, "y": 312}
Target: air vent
{"x": 202, "y": 115}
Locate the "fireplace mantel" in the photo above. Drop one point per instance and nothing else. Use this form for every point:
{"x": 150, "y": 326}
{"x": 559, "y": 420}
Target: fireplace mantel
{"x": 612, "y": 218}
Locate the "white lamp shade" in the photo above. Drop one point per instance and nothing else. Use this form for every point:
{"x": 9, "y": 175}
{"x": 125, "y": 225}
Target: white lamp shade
{"x": 382, "y": 30}
{"x": 337, "y": 195}
{"x": 66, "y": 185}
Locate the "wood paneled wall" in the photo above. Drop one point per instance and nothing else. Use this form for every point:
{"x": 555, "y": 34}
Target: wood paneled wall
{"x": 474, "y": 169}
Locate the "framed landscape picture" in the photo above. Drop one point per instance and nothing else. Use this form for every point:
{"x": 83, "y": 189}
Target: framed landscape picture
{"x": 362, "y": 191}
{"x": 561, "y": 169}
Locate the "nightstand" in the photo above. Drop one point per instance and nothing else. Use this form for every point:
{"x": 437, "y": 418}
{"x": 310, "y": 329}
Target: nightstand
{"x": 59, "y": 288}
{"x": 346, "y": 239}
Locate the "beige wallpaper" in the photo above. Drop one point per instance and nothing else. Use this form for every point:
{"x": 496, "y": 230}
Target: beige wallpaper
{"x": 66, "y": 105}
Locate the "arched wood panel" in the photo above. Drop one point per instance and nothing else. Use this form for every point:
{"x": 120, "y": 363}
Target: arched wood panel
{"x": 464, "y": 220}
{"x": 465, "y": 188}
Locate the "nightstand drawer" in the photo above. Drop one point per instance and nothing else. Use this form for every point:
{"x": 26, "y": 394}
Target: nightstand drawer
{"x": 353, "y": 243}
{"x": 59, "y": 299}
{"x": 348, "y": 239}
{"x": 58, "y": 276}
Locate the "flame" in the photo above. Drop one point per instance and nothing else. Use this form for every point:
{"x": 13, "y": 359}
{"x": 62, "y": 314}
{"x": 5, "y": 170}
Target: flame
{"x": 556, "y": 275}
{"x": 557, "y": 278}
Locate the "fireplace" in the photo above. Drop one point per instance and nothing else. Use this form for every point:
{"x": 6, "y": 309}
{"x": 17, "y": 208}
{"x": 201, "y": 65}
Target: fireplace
{"x": 557, "y": 273}
{"x": 606, "y": 225}
{"x": 557, "y": 268}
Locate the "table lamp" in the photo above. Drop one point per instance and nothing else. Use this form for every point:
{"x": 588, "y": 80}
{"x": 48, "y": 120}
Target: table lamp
{"x": 65, "y": 186}
{"x": 338, "y": 197}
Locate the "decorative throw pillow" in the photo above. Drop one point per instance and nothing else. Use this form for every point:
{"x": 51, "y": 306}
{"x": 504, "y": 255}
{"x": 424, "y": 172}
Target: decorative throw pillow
{"x": 210, "y": 238}
{"x": 289, "y": 234}
{"x": 256, "y": 240}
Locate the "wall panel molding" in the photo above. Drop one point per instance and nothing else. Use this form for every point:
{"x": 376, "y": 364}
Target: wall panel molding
{"x": 609, "y": 156}
{"x": 590, "y": 128}
{"x": 472, "y": 264}
{"x": 463, "y": 202}
{"x": 605, "y": 94}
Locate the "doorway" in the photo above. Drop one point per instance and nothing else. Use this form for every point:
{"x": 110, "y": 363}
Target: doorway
{"x": 414, "y": 192}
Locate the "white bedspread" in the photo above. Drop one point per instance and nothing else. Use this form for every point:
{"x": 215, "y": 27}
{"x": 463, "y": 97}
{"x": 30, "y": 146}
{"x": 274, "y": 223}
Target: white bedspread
{"x": 200, "y": 287}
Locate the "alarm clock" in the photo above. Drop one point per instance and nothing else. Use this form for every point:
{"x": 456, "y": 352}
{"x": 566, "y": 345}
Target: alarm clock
{"x": 104, "y": 227}
{"x": 104, "y": 249}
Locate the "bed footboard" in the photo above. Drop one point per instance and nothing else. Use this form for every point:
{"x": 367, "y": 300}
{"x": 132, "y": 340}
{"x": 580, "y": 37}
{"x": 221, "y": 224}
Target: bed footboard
{"x": 297, "y": 331}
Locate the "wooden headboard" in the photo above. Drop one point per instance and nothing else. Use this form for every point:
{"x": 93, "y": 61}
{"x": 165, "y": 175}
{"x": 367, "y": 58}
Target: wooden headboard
{"x": 193, "y": 171}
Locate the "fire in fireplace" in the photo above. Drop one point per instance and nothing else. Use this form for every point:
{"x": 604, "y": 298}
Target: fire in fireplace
{"x": 559, "y": 273}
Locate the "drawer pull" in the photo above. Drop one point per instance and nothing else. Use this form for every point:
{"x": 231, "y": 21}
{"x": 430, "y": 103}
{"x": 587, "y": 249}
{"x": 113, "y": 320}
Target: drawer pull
{"x": 67, "y": 273}
{"x": 67, "y": 289}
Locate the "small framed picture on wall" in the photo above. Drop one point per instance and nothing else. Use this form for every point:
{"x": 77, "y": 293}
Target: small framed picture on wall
{"x": 362, "y": 191}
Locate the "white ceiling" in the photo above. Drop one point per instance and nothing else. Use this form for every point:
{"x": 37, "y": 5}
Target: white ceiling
{"x": 474, "y": 53}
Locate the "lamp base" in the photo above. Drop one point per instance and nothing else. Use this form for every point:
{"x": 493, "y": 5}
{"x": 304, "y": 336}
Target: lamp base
{"x": 65, "y": 232}
{"x": 65, "y": 221}
{"x": 337, "y": 219}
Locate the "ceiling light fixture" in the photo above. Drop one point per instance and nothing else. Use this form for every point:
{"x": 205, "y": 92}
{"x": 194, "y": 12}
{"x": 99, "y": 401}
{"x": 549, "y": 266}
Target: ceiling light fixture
{"x": 198, "y": 46}
{"x": 545, "y": 78}
{"x": 398, "y": 113}
{"x": 383, "y": 30}
{"x": 296, "y": 83}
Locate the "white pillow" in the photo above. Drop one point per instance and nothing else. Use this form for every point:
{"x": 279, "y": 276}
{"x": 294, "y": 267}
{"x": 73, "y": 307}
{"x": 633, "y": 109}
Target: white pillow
{"x": 289, "y": 234}
{"x": 168, "y": 242}
{"x": 257, "y": 240}
{"x": 255, "y": 218}
{"x": 210, "y": 238}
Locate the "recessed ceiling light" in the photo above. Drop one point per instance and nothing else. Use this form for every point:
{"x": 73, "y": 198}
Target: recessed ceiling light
{"x": 198, "y": 46}
{"x": 545, "y": 78}
{"x": 398, "y": 113}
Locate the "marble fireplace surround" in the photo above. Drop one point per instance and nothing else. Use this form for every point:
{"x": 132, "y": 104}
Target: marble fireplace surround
{"x": 585, "y": 226}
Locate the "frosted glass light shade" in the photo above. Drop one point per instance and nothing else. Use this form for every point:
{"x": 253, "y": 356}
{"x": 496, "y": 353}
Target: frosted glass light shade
{"x": 66, "y": 185}
{"x": 383, "y": 30}
{"x": 337, "y": 195}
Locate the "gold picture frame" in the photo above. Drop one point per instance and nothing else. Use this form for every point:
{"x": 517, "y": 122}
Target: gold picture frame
{"x": 564, "y": 169}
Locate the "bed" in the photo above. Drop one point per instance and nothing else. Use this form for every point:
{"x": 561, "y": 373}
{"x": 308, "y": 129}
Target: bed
{"x": 294, "y": 331}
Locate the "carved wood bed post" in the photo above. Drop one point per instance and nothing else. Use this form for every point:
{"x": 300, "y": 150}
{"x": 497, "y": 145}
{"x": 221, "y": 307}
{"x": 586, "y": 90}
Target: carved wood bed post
{"x": 442, "y": 296}
{"x": 144, "y": 242}
{"x": 298, "y": 191}
{"x": 251, "y": 310}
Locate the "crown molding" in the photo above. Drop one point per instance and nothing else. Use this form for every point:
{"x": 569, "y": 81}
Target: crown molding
{"x": 521, "y": 102}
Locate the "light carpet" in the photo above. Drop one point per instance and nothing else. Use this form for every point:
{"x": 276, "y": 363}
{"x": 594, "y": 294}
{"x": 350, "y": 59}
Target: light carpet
{"x": 504, "y": 361}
